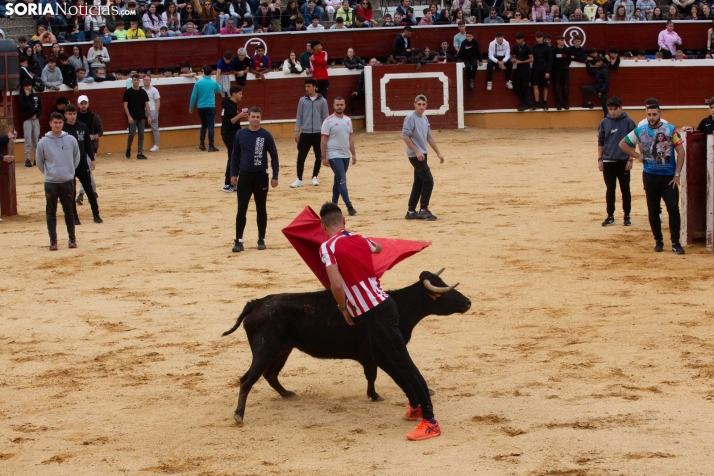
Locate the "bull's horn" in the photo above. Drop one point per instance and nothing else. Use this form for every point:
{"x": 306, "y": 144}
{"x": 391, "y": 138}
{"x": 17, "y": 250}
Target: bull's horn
{"x": 436, "y": 289}
{"x": 440, "y": 271}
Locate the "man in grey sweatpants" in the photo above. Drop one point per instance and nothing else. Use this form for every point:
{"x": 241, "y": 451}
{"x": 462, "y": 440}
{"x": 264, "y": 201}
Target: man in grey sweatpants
{"x": 58, "y": 157}
{"x": 312, "y": 112}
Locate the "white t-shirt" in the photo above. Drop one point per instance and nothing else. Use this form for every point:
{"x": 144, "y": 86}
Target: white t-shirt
{"x": 338, "y": 132}
{"x": 153, "y": 94}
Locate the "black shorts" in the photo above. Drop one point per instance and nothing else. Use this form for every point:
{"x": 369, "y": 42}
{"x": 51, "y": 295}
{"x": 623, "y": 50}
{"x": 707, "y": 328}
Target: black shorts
{"x": 538, "y": 78}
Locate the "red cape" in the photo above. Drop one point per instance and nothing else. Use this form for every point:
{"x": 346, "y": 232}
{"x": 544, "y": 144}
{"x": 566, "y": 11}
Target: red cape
{"x": 306, "y": 235}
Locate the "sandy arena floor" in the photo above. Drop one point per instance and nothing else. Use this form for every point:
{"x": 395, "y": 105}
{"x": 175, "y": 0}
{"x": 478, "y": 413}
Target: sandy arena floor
{"x": 585, "y": 353}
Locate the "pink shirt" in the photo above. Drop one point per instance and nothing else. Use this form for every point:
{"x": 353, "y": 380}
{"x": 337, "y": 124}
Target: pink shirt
{"x": 670, "y": 40}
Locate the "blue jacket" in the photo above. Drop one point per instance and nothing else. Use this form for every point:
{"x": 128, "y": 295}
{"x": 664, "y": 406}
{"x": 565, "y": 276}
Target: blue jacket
{"x": 205, "y": 91}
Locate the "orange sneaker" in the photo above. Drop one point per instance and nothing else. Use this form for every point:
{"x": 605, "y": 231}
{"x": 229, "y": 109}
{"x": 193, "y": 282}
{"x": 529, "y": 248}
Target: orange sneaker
{"x": 424, "y": 431}
{"x": 413, "y": 413}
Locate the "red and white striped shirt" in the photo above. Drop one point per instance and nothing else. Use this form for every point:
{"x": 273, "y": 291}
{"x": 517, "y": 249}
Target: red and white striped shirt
{"x": 353, "y": 254}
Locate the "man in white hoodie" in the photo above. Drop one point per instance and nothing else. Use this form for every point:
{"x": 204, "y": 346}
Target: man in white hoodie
{"x": 58, "y": 157}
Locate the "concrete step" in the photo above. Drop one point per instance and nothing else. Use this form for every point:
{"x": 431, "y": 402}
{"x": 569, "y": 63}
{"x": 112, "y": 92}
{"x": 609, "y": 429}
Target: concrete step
{"x": 16, "y": 27}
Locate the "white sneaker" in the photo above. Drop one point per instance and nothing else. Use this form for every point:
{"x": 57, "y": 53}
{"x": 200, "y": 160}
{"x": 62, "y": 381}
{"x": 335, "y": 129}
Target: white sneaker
{"x": 509, "y": 85}
{"x": 315, "y": 182}
{"x": 489, "y": 86}
{"x": 296, "y": 184}
{"x": 154, "y": 149}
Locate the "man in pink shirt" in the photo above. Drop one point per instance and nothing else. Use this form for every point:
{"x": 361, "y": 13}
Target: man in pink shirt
{"x": 230, "y": 28}
{"x": 668, "y": 41}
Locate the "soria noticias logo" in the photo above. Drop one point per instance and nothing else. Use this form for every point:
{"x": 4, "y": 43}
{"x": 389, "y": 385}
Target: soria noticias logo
{"x": 34, "y": 9}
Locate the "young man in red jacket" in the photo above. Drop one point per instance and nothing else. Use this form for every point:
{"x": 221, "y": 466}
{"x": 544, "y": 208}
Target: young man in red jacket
{"x": 318, "y": 65}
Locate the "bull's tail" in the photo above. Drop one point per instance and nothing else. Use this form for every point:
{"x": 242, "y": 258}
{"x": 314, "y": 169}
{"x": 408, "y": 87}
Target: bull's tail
{"x": 250, "y": 307}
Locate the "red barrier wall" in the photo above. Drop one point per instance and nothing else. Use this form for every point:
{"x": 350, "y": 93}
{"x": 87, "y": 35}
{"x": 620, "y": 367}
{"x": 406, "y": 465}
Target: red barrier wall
{"x": 368, "y": 42}
{"x": 694, "y": 188}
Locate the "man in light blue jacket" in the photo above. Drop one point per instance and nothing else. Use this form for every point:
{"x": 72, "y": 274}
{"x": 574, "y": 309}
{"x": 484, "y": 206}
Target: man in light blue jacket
{"x": 204, "y": 93}
{"x": 57, "y": 157}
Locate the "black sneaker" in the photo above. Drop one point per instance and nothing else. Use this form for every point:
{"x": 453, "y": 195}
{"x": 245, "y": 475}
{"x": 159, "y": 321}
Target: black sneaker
{"x": 544, "y": 105}
{"x": 72, "y": 243}
{"x": 212, "y": 149}
{"x": 608, "y": 221}
{"x": 677, "y": 248}
{"x": 627, "y": 221}
{"x": 97, "y": 218}
{"x": 238, "y": 247}
{"x": 261, "y": 244}
{"x": 76, "y": 220}
{"x": 522, "y": 108}
{"x": 659, "y": 247}
{"x": 588, "y": 105}
{"x": 128, "y": 153}
{"x": 425, "y": 214}
{"x": 141, "y": 157}
{"x": 53, "y": 246}
{"x": 201, "y": 147}
{"x": 535, "y": 106}
{"x": 352, "y": 212}
{"x": 471, "y": 85}
{"x": 412, "y": 215}
{"x": 28, "y": 163}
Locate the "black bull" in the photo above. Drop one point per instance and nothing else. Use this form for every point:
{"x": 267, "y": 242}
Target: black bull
{"x": 311, "y": 322}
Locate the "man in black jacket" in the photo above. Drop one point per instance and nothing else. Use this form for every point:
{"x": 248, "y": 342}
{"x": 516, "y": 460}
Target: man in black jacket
{"x": 86, "y": 149}
{"x": 561, "y": 73}
{"x": 470, "y": 54}
{"x": 601, "y": 87}
{"x": 522, "y": 58}
{"x": 31, "y": 106}
{"x": 96, "y": 130}
{"x": 402, "y": 46}
{"x": 230, "y": 124}
{"x": 577, "y": 52}
{"x": 542, "y": 67}
{"x": 69, "y": 74}
{"x": 359, "y": 92}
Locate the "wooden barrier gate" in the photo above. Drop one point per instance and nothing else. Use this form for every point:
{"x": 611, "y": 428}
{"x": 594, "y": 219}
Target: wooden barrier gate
{"x": 698, "y": 189}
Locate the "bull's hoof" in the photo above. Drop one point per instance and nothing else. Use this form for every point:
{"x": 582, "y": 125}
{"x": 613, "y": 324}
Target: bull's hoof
{"x": 431, "y": 393}
{"x": 288, "y": 394}
{"x": 238, "y": 418}
{"x": 376, "y": 398}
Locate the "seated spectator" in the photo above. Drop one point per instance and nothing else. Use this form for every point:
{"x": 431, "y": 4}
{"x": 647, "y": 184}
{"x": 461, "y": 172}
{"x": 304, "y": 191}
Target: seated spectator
{"x": 346, "y": 13}
{"x": 620, "y": 14}
{"x": 710, "y": 37}
{"x": 230, "y": 28}
{"x": 172, "y": 20}
{"x": 69, "y": 74}
{"x": 315, "y": 25}
{"x": 360, "y": 22}
{"x": 638, "y": 15}
{"x": 120, "y": 33}
{"x": 51, "y": 75}
{"x": 398, "y": 20}
{"x": 706, "y": 14}
{"x": 242, "y": 66}
{"x": 629, "y": 7}
{"x": 444, "y": 18}
{"x": 43, "y": 36}
{"x": 105, "y": 35}
{"x": 402, "y": 46}
{"x": 190, "y": 30}
{"x": 600, "y": 15}
{"x": 98, "y": 55}
{"x": 292, "y": 65}
{"x": 309, "y": 10}
{"x": 590, "y": 10}
{"x": 673, "y": 14}
{"x": 209, "y": 19}
{"x": 151, "y": 20}
{"x": 434, "y": 11}
{"x": 538, "y": 13}
{"x": 82, "y": 76}
{"x": 647, "y": 6}
{"x": 223, "y": 12}
{"x": 518, "y": 18}
{"x": 409, "y": 18}
{"x": 403, "y": 10}
{"x": 274, "y": 7}
{"x": 188, "y": 15}
{"x": 668, "y": 40}
{"x": 289, "y": 15}
{"x": 338, "y": 25}
{"x": 131, "y": 14}
{"x": 524, "y": 6}
{"x": 264, "y": 17}
{"x": 693, "y": 13}
{"x": 164, "y": 33}
{"x": 305, "y": 58}
{"x": 556, "y": 16}
{"x": 351, "y": 61}
{"x": 365, "y": 9}
{"x": 168, "y": 73}
{"x": 659, "y": 56}
{"x": 578, "y": 16}
{"x": 386, "y": 21}
{"x": 465, "y": 6}
{"x": 299, "y": 25}
{"x": 134, "y": 32}
{"x": 426, "y": 20}
{"x": 240, "y": 10}
{"x": 78, "y": 60}
{"x": 447, "y": 54}
{"x": 186, "y": 71}
{"x": 260, "y": 63}
{"x": 679, "y": 56}
{"x": 493, "y": 17}
{"x": 331, "y": 7}
{"x": 248, "y": 27}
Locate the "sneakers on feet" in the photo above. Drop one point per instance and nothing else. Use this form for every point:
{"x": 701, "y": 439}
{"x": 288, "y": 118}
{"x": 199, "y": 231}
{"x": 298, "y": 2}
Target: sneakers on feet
{"x": 53, "y": 246}
{"x": 471, "y": 85}
{"x": 522, "y": 108}
{"x": 154, "y": 149}
{"x": 588, "y": 105}
{"x": 352, "y": 212}
{"x": 227, "y": 188}
{"x": 201, "y": 147}
{"x": 412, "y": 215}
{"x": 28, "y": 163}
{"x": 413, "y": 414}
{"x": 489, "y": 86}
{"x": 261, "y": 244}
{"x": 315, "y": 182}
{"x": 212, "y": 149}
{"x": 425, "y": 214}
{"x": 544, "y": 105}
{"x": 72, "y": 243}
{"x": 238, "y": 247}
{"x": 76, "y": 220}
{"x": 80, "y": 198}
{"x": 128, "y": 153}
{"x": 424, "y": 431}
{"x": 509, "y": 85}
{"x": 677, "y": 248}
{"x": 659, "y": 246}
{"x": 97, "y": 218}
{"x": 296, "y": 184}
{"x": 608, "y": 221}
{"x": 141, "y": 157}
{"x": 627, "y": 221}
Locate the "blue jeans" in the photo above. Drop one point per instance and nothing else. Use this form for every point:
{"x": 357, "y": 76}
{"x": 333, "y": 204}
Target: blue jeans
{"x": 339, "y": 188}
{"x": 208, "y": 121}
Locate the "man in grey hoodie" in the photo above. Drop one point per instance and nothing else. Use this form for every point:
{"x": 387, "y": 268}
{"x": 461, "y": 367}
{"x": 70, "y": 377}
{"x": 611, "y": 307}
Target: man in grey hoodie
{"x": 312, "y": 112}
{"x": 58, "y": 157}
{"x": 51, "y": 75}
{"x": 614, "y": 164}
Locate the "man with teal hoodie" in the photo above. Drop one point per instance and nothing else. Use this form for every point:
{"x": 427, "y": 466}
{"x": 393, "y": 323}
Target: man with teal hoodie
{"x": 204, "y": 92}
{"x": 58, "y": 157}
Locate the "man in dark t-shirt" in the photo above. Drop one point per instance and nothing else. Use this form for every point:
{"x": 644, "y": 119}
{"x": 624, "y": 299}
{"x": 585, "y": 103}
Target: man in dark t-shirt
{"x": 707, "y": 124}
{"x": 230, "y": 124}
{"x": 136, "y": 108}
{"x": 522, "y": 57}
{"x": 242, "y": 66}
